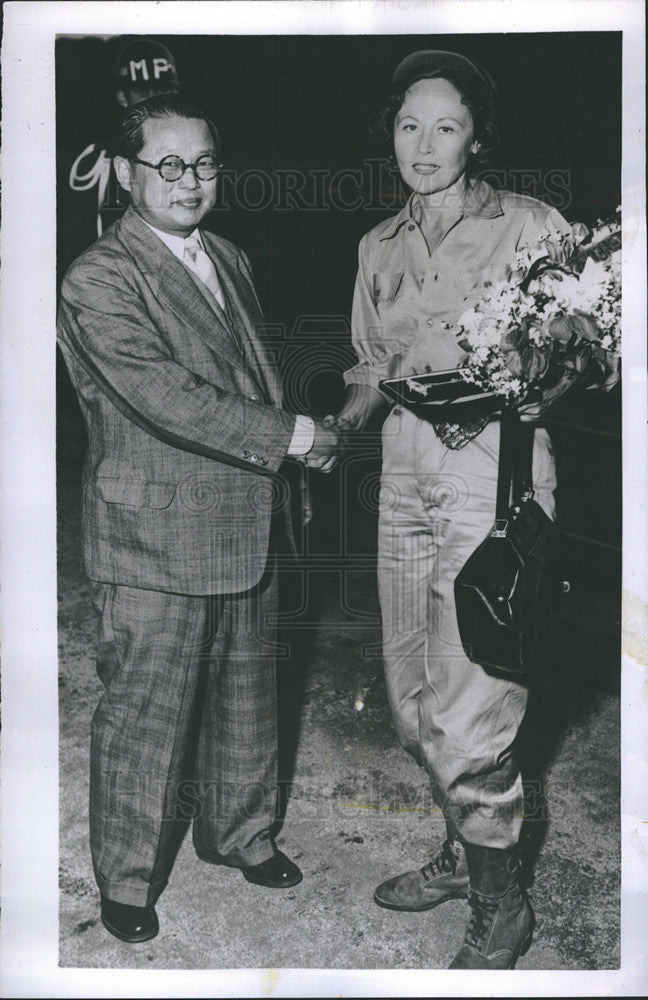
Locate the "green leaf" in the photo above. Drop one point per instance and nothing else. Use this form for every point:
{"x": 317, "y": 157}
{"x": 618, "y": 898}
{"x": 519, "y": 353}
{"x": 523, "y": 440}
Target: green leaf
{"x": 534, "y": 363}
{"x": 585, "y": 326}
{"x": 561, "y": 328}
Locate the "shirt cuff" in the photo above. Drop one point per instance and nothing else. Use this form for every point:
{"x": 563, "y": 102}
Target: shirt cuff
{"x": 303, "y": 436}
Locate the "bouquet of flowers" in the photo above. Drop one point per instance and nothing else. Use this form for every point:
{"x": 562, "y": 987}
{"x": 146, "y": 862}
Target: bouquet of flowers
{"x": 559, "y": 313}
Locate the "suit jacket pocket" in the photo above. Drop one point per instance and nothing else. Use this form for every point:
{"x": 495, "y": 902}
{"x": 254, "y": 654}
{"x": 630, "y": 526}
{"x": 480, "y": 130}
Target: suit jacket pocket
{"x": 135, "y": 492}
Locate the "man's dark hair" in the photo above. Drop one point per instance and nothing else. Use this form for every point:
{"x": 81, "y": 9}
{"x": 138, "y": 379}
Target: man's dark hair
{"x": 130, "y": 139}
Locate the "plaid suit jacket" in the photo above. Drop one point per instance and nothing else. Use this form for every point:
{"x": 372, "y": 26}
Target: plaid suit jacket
{"x": 182, "y": 406}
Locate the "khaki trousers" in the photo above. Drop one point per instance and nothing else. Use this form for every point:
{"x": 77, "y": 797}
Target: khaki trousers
{"x": 436, "y": 506}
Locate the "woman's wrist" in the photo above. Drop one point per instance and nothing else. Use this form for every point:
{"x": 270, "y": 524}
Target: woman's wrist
{"x": 361, "y": 402}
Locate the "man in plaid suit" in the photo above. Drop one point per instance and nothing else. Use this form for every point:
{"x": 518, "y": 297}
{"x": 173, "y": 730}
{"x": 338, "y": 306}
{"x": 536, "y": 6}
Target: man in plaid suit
{"x": 160, "y": 328}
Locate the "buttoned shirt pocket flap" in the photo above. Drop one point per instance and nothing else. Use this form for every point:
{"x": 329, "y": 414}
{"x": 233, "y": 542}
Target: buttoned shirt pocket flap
{"x": 135, "y": 492}
{"x": 386, "y": 285}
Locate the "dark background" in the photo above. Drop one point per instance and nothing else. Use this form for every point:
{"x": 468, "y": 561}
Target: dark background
{"x": 303, "y": 103}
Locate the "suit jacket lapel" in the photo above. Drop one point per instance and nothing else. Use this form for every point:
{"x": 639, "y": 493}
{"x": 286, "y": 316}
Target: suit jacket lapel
{"x": 245, "y": 314}
{"x": 173, "y": 285}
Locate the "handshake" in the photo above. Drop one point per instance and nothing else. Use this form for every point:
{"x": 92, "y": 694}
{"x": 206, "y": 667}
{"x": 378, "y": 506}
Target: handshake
{"x": 329, "y": 442}
{"x": 332, "y": 433}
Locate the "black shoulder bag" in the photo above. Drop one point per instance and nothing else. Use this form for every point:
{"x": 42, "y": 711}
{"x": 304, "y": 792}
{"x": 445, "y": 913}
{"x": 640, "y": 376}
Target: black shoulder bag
{"x": 505, "y": 591}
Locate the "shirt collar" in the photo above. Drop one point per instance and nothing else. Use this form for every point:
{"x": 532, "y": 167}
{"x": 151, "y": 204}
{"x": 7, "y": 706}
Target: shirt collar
{"x": 176, "y": 244}
{"x": 482, "y": 202}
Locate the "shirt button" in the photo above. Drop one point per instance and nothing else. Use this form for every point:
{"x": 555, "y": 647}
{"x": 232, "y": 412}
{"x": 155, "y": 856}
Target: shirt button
{"x": 429, "y": 321}
{"x": 263, "y": 461}
{"x": 411, "y": 226}
{"x": 246, "y": 454}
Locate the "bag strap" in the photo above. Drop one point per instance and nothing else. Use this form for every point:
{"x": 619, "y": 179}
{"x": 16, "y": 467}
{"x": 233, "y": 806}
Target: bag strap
{"x": 523, "y": 465}
{"x": 509, "y": 424}
{"x": 515, "y": 460}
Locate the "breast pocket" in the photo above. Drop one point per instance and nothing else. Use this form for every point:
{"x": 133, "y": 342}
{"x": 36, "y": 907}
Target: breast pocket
{"x": 386, "y": 285}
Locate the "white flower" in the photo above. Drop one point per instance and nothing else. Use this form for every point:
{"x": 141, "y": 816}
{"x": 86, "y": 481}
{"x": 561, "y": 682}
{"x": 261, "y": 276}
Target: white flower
{"x": 594, "y": 279}
{"x": 504, "y": 306}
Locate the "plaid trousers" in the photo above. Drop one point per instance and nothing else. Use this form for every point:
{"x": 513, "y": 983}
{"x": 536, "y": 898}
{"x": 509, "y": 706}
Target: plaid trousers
{"x": 186, "y": 730}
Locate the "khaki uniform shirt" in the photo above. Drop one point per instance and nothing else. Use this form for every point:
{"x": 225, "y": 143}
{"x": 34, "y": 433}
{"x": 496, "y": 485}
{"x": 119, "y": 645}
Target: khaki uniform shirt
{"x": 405, "y": 296}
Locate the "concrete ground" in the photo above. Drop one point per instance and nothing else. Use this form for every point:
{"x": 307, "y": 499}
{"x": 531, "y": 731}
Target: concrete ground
{"x": 359, "y": 810}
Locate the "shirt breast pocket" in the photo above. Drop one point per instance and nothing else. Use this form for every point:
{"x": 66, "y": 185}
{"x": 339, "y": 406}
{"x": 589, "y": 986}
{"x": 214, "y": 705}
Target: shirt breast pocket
{"x": 386, "y": 285}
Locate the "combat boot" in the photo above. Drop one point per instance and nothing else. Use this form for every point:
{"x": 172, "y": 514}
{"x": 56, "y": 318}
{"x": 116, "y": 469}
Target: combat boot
{"x": 502, "y": 921}
{"x": 444, "y": 877}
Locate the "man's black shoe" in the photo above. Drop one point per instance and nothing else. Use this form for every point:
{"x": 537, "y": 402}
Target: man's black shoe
{"x": 129, "y": 923}
{"x": 279, "y": 872}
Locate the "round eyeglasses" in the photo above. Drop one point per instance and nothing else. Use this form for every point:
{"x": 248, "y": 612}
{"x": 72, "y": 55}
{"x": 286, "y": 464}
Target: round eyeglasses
{"x": 171, "y": 168}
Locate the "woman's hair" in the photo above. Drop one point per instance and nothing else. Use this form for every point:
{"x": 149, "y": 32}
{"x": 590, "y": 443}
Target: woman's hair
{"x": 130, "y": 139}
{"x": 477, "y": 92}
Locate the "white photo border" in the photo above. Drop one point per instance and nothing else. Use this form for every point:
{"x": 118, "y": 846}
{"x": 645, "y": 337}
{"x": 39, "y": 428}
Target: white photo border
{"x": 30, "y": 716}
